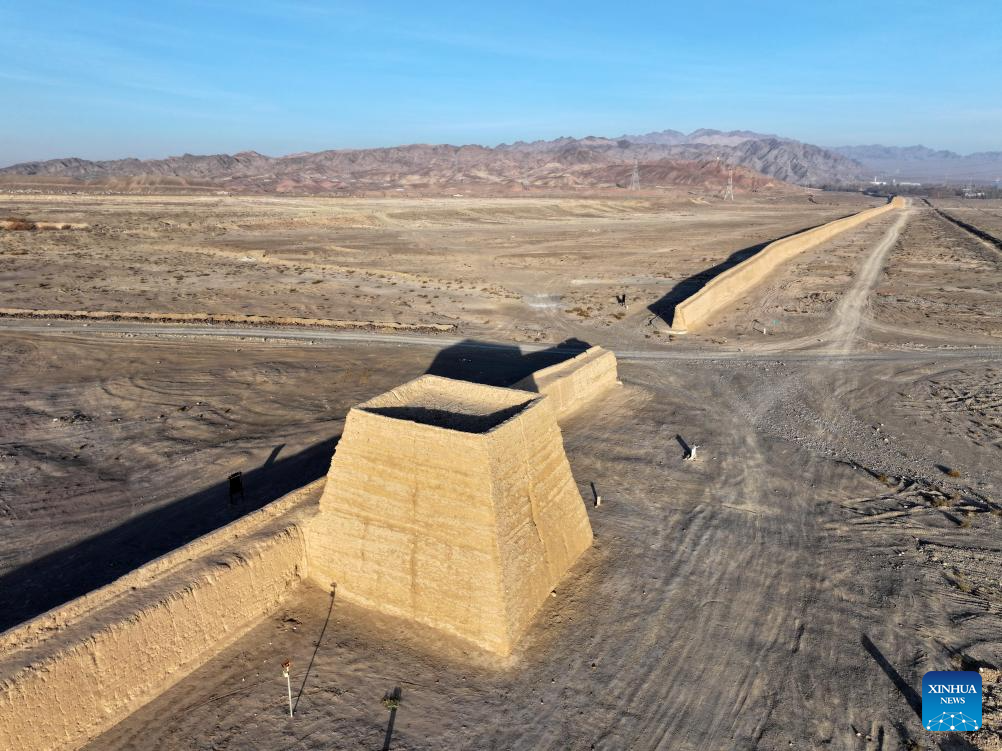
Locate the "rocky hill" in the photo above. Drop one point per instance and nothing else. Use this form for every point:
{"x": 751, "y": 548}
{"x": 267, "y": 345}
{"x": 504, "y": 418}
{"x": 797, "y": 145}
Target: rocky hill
{"x": 591, "y": 162}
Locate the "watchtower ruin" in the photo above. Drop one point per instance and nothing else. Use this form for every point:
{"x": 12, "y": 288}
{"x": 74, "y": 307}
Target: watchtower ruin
{"x": 452, "y": 504}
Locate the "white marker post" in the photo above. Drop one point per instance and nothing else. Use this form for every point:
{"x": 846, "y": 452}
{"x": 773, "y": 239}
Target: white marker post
{"x": 288, "y": 682}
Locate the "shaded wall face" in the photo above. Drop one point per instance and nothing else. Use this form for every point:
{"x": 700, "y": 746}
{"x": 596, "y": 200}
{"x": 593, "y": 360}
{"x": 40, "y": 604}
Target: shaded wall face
{"x": 734, "y": 283}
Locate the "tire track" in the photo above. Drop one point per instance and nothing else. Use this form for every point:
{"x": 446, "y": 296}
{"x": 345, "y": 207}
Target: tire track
{"x": 850, "y": 311}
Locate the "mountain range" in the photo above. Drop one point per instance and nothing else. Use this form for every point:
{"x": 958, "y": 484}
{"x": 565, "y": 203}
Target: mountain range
{"x": 923, "y": 164}
{"x": 706, "y": 158}
{"x": 665, "y": 157}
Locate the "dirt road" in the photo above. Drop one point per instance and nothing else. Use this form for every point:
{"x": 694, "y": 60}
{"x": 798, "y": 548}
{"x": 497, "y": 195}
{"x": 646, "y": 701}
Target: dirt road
{"x": 796, "y": 349}
{"x": 852, "y": 307}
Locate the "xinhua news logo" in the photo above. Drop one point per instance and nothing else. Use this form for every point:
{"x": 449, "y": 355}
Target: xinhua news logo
{"x": 951, "y": 700}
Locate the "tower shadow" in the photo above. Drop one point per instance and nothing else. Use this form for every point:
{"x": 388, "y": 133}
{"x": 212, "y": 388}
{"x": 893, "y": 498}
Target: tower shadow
{"x": 499, "y": 364}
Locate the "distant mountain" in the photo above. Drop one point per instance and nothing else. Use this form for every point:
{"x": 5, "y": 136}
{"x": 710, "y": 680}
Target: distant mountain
{"x": 663, "y": 137}
{"x": 864, "y": 153}
{"x": 922, "y": 164}
{"x": 705, "y": 136}
{"x": 567, "y": 162}
{"x": 781, "y": 158}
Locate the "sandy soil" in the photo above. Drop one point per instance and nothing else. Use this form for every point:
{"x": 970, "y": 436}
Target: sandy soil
{"x": 940, "y": 282}
{"x": 530, "y": 269}
{"x": 984, "y": 214}
{"x": 838, "y": 536}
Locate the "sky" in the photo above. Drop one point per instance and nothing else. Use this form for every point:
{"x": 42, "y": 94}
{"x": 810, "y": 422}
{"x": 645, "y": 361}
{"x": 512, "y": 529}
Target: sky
{"x": 101, "y": 79}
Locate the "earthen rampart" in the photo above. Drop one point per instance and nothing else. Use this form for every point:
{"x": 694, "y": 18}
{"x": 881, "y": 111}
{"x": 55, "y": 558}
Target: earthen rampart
{"x": 730, "y": 286}
{"x": 575, "y": 382}
{"x": 448, "y": 503}
{"x": 73, "y": 672}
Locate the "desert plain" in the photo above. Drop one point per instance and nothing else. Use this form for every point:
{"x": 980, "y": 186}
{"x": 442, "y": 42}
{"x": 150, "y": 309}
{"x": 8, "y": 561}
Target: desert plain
{"x": 838, "y": 533}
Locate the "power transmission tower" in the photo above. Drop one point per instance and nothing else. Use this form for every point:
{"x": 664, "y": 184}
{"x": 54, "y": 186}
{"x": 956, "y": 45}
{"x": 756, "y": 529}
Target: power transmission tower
{"x": 635, "y": 177}
{"x": 729, "y": 190}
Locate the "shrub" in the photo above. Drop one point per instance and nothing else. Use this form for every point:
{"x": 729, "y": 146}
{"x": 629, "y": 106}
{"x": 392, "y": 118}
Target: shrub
{"x": 961, "y": 583}
{"x": 19, "y": 224}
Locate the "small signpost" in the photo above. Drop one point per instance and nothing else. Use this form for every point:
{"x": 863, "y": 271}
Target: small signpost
{"x": 594, "y": 492}
{"x": 286, "y": 666}
{"x": 688, "y": 451}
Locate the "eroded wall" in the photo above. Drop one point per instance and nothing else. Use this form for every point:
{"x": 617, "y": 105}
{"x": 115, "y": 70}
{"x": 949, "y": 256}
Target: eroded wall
{"x": 75, "y": 671}
{"x": 730, "y": 286}
{"x": 466, "y": 531}
{"x": 575, "y": 382}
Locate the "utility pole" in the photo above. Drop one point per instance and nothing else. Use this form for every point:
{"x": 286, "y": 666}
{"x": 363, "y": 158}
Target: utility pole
{"x": 729, "y": 191}
{"x": 635, "y": 177}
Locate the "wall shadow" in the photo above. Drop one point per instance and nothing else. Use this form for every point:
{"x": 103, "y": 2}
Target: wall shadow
{"x": 664, "y": 308}
{"x": 976, "y": 231}
{"x": 499, "y": 364}
{"x": 909, "y": 694}
{"x": 62, "y": 575}
{"x": 55, "y": 578}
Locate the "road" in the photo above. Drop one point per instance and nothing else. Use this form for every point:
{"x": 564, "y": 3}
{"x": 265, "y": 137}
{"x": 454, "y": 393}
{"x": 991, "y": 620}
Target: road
{"x": 827, "y": 346}
{"x": 851, "y": 310}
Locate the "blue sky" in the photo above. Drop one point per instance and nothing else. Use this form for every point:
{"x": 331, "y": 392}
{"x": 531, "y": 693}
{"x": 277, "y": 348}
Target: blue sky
{"x": 112, "y": 79}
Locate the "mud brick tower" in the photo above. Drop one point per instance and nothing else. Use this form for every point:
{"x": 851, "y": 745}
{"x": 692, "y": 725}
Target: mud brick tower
{"x": 452, "y": 504}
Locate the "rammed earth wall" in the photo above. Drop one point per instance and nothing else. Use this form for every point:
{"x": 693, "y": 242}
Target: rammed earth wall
{"x": 727, "y": 288}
